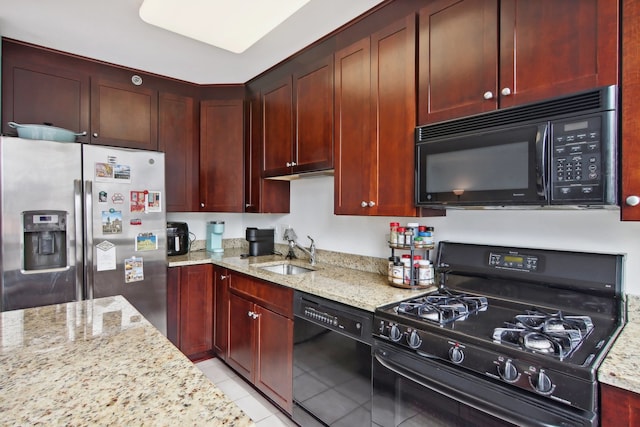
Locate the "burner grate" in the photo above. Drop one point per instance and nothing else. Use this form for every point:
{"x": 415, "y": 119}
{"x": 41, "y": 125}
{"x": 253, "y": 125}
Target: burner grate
{"x": 553, "y": 334}
{"x": 443, "y": 307}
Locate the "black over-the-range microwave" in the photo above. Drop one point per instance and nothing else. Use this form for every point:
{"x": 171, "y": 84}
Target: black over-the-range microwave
{"x": 557, "y": 153}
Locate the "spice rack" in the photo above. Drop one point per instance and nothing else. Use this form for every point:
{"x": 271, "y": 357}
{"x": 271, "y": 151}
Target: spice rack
{"x": 412, "y": 276}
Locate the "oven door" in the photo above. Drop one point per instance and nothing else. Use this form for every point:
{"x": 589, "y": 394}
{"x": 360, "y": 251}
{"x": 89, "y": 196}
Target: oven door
{"x": 410, "y": 390}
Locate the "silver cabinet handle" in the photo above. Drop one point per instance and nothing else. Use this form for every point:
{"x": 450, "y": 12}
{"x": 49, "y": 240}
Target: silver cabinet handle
{"x": 250, "y": 313}
{"x": 506, "y": 91}
{"x": 632, "y": 200}
{"x": 488, "y": 95}
{"x": 294, "y": 164}
{"x": 95, "y": 134}
{"x": 222, "y": 277}
{"x": 202, "y": 205}
{"x": 364, "y": 204}
{"x": 289, "y": 164}
{"x": 371, "y": 203}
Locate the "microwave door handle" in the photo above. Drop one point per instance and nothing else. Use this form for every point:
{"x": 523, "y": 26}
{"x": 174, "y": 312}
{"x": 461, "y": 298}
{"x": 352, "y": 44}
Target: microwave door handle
{"x": 542, "y": 139}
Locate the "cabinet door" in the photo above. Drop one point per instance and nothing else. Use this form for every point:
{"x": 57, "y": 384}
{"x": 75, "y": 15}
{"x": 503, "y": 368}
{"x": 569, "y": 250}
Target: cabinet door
{"x": 39, "y": 94}
{"x": 221, "y": 313}
{"x": 353, "y": 127}
{"x": 260, "y": 195}
{"x": 178, "y": 139}
{"x": 221, "y": 156}
{"x": 630, "y": 84}
{"x": 549, "y": 48}
{"x": 618, "y": 407}
{"x": 123, "y": 115}
{"x": 173, "y": 305}
{"x": 457, "y": 58}
{"x": 393, "y": 73}
{"x": 277, "y": 128}
{"x": 313, "y": 93}
{"x": 196, "y": 309}
{"x": 274, "y": 364}
{"x": 241, "y": 335}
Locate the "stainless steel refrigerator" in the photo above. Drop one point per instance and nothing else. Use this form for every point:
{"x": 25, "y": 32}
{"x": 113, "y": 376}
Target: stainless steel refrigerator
{"x": 82, "y": 221}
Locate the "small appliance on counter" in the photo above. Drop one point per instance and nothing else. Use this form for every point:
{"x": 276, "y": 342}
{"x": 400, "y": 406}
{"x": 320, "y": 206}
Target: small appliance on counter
{"x": 214, "y": 236}
{"x": 260, "y": 241}
{"x": 177, "y": 238}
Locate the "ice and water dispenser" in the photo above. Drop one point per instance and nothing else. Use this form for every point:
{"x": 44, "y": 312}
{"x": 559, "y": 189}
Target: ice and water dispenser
{"x": 45, "y": 239}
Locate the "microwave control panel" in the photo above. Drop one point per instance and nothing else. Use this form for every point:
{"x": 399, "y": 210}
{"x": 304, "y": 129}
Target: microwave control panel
{"x": 576, "y": 159}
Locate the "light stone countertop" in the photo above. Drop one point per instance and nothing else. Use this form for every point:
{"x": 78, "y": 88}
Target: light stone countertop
{"x": 621, "y": 367}
{"x": 355, "y": 287}
{"x": 100, "y": 362}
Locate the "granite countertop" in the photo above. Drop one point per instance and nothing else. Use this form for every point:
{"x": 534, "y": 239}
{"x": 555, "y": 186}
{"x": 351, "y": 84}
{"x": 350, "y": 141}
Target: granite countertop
{"x": 356, "y": 287}
{"x": 99, "y": 362}
{"x": 621, "y": 366}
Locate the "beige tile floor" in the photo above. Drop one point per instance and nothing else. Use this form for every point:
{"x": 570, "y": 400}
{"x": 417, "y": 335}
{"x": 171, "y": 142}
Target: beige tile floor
{"x": 258, "y": 408}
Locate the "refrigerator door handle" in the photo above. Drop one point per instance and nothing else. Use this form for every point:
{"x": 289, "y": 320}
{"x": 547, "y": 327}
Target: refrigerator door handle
{"x": 77, "y": 207}
{"x": 88, "y": 266}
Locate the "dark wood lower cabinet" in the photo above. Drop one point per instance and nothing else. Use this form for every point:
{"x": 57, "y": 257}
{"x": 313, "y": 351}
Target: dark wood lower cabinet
{"x": 261, "y": 336}
{"x": 190, "y": 310}
{"x": 618, "y": 407}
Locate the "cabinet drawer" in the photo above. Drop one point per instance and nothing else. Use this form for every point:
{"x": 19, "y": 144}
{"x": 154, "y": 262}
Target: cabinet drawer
{"x": 269, "y": 295}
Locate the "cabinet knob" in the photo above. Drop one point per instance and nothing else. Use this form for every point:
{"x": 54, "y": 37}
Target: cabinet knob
{"x": 488, "y": 95}
{"x": 289, "y": 164}
{"x": 95, "y": 134}
{"x": 506, "y": 91}
{"x": 294, "y": 164}
{"x": 632, "y": 201}
{"x": 364, "y": 204}
{"x": 222, "y": 277}
{"x": 202, "y": 205}
{"x": 371, "y": 203}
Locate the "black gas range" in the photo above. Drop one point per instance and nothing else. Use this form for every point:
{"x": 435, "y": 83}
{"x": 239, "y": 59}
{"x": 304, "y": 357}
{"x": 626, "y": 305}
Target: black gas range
{"x": 526, "y": 329}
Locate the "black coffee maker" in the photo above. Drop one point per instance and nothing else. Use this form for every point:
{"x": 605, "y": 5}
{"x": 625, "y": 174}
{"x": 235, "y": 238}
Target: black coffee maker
{"x": 177, "y": 238}
{"x": 260, "y": 241}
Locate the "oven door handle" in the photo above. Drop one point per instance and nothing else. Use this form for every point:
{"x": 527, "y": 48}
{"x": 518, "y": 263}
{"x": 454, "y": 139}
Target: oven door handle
{"x": 449, "y": 390}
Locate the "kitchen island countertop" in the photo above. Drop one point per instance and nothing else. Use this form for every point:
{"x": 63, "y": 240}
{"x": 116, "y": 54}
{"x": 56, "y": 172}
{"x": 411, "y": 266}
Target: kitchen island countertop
{"x": 100, "y": 362}
{"x": 350, "y": 286}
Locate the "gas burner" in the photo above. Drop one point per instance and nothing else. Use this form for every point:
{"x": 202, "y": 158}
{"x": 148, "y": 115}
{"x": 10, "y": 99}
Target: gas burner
{"x": 443, "y": 306}
{"x": 553, "y": 334}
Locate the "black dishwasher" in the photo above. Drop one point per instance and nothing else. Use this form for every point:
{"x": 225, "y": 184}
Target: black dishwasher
{"x": 331, "y": 363}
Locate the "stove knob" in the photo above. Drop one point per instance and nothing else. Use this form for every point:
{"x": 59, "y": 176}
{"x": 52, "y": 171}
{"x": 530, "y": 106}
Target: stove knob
{"x": 394, "y": 333}
{"x": 509, "y": 372}
{"x": 456, "y": 355}
{"x": 414, "y": 340}
{"x": 542, "y": 383}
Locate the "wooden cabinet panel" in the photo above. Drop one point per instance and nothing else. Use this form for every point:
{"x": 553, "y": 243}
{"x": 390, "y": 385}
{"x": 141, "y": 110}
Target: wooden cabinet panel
{"x": 274, "y": 365}
{"x": 222, "y": 156}
{"x": 221, "y": 312}
{"x": 630, "y": 104}
{"x": 457, "y": 60}
{"x": 123, "y": 115}
{"x": 313, "y": 94}
{"x": 173, "y": 305}
{"x": 241, "y": 336}
{"x": 352, "y": 128}
{"x": 34, "y": 92}
{"x": 618, "y": 407}
{"x": 375, "y": 122}
{"x": 178, "y": 139}
{"x": 261, "y": 339}
{"x": 476, "y": 56}
{"x": 277, "y": 128}
{"x": 196, "y": 309}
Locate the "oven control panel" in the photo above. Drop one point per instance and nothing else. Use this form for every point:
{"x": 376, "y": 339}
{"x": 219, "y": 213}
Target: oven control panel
{"x": 513, "y": 261}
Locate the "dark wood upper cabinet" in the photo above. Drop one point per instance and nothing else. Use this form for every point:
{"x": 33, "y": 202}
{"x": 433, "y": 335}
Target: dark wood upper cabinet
{"x": 375, "y": 115}
{"x": 277, "y": 128}
{"x": 297, "y": 120}
{"x": 123, "y": 114}
{"x": 34, "y": 91}
{"x": 479, "y": 55}
{"x": 222, "y": 156}
{"x": 313, "y": 106}
{"x": 178, "y": 138}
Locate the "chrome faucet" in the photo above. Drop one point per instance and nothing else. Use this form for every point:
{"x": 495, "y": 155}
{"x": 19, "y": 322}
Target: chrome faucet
{"x": 291, "y": 237}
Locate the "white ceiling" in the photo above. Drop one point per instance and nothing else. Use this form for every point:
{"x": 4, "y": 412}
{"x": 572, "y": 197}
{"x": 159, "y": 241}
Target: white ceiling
{"x": 112, "y": 31}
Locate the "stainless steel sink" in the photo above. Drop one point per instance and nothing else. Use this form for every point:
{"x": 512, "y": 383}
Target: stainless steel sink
{"x": 286, "y": 269}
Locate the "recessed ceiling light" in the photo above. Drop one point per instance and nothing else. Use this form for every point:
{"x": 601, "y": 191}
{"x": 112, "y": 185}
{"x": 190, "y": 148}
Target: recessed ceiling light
{"x": 232, "y": 25}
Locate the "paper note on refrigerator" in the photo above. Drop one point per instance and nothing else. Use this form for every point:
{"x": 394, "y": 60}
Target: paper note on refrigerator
{"x": 105, "y": 256}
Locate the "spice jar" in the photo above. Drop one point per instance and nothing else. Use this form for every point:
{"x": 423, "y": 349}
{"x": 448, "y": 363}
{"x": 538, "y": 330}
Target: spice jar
{"x": 400, "y": 242}
{"x": 392, "y": 261}
{"x": 408, "y": 237}
{"x": 393, "y": 234}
